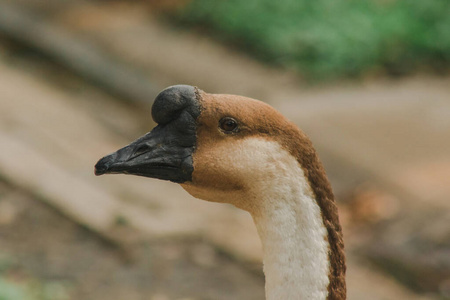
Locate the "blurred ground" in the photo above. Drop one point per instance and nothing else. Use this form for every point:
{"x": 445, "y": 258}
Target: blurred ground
{"x": 73, "y": 263}
{"x": 384, "y": 144}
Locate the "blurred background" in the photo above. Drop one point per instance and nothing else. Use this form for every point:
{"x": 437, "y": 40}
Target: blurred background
{"x": 367, "y": 80}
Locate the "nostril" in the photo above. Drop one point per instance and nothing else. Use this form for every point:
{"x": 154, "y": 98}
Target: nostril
{"x": 141, "y": 149}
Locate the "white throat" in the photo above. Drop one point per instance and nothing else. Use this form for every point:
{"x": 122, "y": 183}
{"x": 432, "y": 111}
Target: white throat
{"x": 288, "y": 218}
{"x": 293, "y": 235}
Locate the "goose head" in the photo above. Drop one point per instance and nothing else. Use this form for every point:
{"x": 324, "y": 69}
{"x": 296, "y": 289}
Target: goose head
{"x": 220, "y": 148}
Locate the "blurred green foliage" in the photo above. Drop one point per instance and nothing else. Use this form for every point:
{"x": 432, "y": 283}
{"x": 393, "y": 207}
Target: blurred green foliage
{"x": 332, "y": 38}
{"x": 11, "y": 289}
{"x": 16, "y": 285}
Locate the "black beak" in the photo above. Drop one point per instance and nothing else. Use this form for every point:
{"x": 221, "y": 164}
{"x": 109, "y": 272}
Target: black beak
{"x": 163, "y": 153}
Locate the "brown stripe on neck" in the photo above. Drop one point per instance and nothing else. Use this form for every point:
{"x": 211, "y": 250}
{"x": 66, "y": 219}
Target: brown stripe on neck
{"x": 302, "y": 149}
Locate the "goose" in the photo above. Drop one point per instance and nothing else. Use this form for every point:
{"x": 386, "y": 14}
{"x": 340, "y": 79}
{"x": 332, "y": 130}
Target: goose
{"x": 234, "y": 149}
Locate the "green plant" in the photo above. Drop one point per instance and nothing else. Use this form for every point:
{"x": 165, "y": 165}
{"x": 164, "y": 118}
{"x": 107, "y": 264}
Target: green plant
{"x": 331, "y": 38}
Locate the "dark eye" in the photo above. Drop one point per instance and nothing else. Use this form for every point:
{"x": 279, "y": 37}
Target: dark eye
{"x": 228, "y": 125}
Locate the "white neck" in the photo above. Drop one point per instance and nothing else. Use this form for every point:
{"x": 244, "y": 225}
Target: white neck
{"x": 278, "y": 196}
{"x": 294, "y": 238}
